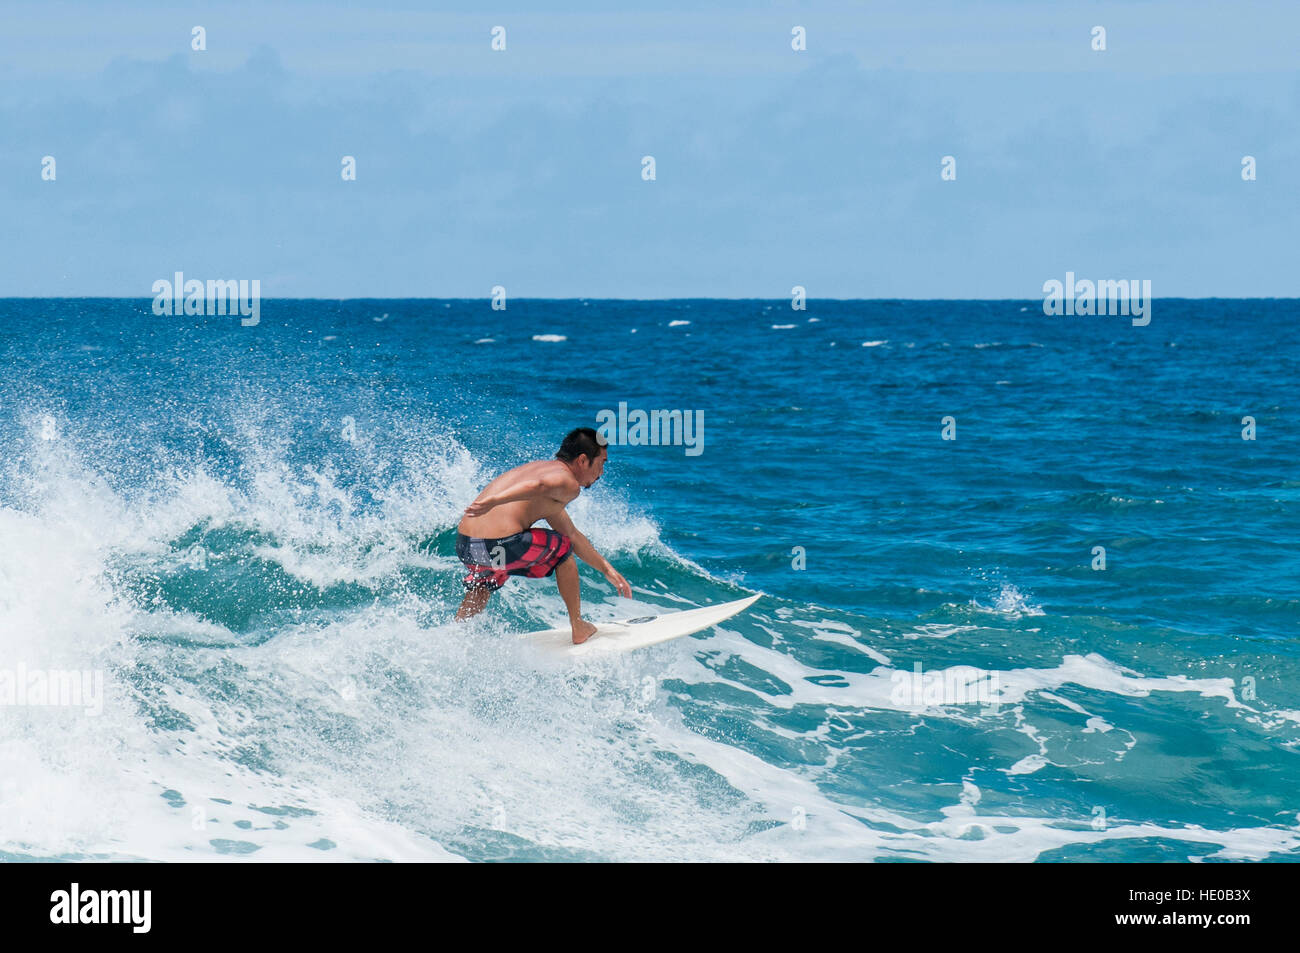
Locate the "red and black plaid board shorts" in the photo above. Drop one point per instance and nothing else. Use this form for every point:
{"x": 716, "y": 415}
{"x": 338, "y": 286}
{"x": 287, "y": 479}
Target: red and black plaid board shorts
{"x": 534, "y": 553}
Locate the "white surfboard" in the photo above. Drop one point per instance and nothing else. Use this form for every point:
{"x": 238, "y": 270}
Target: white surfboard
{"x": 625, "y": 635}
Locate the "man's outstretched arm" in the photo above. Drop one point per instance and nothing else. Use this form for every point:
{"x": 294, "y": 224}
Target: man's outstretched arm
{"x": 583, "y": 549}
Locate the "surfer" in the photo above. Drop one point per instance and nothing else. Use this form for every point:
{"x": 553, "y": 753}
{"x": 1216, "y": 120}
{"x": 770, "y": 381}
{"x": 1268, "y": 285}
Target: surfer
{"x": 496, "y": 539}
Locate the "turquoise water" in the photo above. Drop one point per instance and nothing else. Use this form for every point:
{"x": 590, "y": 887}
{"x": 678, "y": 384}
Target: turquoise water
{"x": 249, "y": 532}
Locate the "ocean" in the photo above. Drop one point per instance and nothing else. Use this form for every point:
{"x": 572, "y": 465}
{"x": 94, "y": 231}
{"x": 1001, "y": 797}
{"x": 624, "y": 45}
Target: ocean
{"x": 1031, "y": 583}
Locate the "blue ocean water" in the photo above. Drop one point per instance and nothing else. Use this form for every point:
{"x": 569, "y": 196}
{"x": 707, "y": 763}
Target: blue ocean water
{"x": 249, "y": 531}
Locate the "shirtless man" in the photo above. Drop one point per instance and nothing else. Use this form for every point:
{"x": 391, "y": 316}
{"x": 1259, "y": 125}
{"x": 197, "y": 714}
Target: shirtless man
{"x": 496, "y": 539}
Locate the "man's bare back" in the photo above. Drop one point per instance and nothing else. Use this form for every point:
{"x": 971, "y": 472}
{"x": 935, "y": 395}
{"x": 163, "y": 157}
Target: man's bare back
{"x": 495, "y": 538}
{"x": 557, "y": 486}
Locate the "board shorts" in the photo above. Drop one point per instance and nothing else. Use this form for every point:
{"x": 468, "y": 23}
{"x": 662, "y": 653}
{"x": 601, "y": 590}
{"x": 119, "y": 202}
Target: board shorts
{"x": 534, "y": 553}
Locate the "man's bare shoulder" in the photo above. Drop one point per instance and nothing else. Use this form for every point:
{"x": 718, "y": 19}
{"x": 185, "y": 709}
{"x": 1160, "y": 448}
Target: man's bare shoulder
{"x": 553, "y": 472}
{"x": 534, "y": 469}
{"x": 558, "y": 475}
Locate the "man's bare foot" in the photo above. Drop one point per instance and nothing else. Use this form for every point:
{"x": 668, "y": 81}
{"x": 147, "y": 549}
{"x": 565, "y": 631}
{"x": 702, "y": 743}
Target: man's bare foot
{"x": 582, "y": 631}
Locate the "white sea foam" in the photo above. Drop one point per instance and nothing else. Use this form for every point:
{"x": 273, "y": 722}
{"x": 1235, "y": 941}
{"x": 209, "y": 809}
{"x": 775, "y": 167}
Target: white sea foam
{"x": 377, "y": 733}
{"x": 1011, "y": 602}
{"x": 449, "y": 722}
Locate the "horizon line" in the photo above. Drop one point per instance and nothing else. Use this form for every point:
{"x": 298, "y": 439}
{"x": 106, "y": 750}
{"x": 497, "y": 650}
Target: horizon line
{"x": 488, "y": 298}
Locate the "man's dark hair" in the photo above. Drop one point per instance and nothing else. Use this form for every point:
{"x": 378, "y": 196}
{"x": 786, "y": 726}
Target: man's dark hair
{"x": 579, "y": 443}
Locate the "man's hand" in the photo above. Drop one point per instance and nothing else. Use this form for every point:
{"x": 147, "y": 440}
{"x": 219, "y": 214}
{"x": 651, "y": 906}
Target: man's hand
{"x": 479, "y": 507}
{"x": 618, "y": 582}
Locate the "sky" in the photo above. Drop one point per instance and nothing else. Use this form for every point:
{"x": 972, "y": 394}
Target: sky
{"x": 523, "y": 167}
